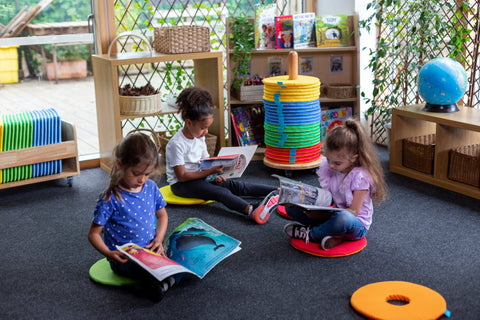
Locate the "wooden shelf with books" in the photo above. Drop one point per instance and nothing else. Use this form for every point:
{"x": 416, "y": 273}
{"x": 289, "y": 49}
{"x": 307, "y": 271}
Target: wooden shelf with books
{"x": 335, "y": 65}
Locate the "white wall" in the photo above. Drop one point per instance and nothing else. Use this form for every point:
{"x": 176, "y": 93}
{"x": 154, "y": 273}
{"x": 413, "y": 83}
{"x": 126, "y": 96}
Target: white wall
{"x": 335, "y": 6}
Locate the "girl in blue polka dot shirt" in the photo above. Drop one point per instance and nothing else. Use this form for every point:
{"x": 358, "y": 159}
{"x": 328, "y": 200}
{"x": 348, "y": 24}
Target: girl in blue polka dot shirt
{"x": 132, "y": 209}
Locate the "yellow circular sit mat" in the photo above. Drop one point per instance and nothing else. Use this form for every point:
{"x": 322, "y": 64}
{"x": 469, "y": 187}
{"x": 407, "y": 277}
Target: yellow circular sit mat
{"x": 101, "y": 272}
{"x": 171, "y": 198}
{"x": 284, "y": 81}
{"x": 372, "y": 301}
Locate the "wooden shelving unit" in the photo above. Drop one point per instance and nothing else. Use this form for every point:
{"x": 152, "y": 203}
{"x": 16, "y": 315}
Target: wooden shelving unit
{"x": 66, "y": 151}
{"x": 451, "y": 130}
{"x": 208, "y": 74}
{"x": 321, "y": 69}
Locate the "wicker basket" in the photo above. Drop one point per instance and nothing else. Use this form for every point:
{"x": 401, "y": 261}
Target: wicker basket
{"x": 210, "y": 140}
{"x": 464, "y": 164}
{"x": 140, "y": 105}
{"x": 340, "y": 91}
{"x": 181, "y": 39}
{"x": 418, "y": 153}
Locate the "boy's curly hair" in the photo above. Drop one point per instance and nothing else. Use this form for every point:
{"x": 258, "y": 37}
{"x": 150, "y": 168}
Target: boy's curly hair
{"x": 194, "y": 103}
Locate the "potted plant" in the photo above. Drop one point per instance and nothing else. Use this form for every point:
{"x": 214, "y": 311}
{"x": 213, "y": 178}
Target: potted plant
{"x": 71, "y": 62}
{"x": 411, "y": 34}
{"x": 242, "y": 42}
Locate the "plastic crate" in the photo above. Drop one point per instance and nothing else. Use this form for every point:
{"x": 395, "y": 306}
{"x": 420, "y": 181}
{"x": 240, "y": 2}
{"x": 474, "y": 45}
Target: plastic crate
{"x": 8, "y": 64}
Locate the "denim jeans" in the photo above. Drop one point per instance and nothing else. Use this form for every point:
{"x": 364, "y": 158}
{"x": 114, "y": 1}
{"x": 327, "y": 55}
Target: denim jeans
{"x": 342, "y": 223}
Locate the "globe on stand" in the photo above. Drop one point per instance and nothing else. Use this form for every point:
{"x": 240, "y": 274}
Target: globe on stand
{"x": 442, "y": 82}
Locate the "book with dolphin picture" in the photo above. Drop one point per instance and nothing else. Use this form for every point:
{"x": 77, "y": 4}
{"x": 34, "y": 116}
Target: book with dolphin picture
{"x": 194, "y": 247}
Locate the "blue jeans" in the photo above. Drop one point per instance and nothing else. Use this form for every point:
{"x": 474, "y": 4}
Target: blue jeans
{"x": 341, "y": 223}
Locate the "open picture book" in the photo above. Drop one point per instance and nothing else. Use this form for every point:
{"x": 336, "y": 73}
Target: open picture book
{"x": 194, "y": 247}
{"x": 301, "y": 195}
{"x": 234, "y": 160}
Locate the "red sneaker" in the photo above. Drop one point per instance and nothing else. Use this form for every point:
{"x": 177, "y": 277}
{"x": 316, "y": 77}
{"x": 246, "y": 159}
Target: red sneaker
{"x": 262, "y": 212}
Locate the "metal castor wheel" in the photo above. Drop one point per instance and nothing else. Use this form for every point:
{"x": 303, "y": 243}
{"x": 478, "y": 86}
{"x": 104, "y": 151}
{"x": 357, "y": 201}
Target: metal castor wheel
{"x": 70, "y": 181}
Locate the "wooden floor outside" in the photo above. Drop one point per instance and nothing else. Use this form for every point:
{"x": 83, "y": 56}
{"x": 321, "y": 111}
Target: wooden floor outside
{"x": 74, "y": 100}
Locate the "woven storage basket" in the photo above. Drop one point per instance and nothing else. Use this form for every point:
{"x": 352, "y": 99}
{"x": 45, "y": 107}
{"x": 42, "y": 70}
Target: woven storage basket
{"x": 140, "y": 105}
{"x": 418, "y": 153}
{"x": 464, "y": 164}
{"x": 210, "y": 140}
{"x": 181, "y": 39}
{"x": 340, "y": 91}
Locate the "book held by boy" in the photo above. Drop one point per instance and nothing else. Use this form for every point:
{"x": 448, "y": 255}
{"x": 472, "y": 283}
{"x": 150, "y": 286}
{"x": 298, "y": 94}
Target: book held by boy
{"x": 194, "y": 247}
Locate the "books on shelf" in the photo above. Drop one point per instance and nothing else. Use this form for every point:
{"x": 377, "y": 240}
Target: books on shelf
{"x": 284, "y": 29}
{"x": 304, "y": 30}
{"x": 249, "y": 120}
{"x": 265, "y": 26}
{"x": 233, "y": 159}
{"x": 194, "y": 247}
{"x": 330, "y": 118}
{"x": 332, "y": 30}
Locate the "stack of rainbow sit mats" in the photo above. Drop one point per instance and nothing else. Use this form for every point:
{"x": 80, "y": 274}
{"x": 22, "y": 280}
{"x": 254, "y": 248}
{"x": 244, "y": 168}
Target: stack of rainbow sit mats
{"x": 292, "y": 118}
{"x": 26, "y": 130}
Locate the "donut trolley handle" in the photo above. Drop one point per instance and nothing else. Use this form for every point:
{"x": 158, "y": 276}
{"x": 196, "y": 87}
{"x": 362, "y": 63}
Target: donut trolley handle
{"x": 293, "y": 65}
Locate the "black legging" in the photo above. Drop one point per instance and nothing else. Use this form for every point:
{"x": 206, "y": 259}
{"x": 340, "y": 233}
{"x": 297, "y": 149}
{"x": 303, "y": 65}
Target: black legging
{"x": 228, "y": 192}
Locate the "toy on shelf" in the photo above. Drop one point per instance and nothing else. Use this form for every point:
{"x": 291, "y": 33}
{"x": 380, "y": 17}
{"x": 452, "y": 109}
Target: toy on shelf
{"x": 292, "y": 120}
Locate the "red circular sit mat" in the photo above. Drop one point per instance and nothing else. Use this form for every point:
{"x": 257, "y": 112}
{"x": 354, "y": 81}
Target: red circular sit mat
{"x": 281, "y": 211}
{"x": 344, "y": 249}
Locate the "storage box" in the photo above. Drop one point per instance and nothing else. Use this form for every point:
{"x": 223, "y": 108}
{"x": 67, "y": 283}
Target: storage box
{"x": 418, "y": 153}
{"x": 464, "y": 164}
{"x": 181, "y": 39}
{"x": 8, "y": 64}
{"x": 340, "y": 91}
{"x": 331, "y": 118}
{"x": 249, "y": 93}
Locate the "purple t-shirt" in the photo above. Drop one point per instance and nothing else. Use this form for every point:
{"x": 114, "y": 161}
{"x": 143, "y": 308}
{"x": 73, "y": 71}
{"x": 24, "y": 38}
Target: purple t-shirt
{"x": 132, "y": 220}
{"x": 342, "y": 186}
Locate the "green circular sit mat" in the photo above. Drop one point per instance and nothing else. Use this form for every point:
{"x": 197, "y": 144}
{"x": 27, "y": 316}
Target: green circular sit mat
{"x": 102, "y": 273}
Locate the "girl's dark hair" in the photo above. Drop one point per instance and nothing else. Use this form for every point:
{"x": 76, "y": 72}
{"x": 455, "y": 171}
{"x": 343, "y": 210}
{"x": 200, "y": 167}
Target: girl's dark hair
{"x": 352, "y": 137}
{"x": 134, "y": 149}
{"x": 194, "y": 103}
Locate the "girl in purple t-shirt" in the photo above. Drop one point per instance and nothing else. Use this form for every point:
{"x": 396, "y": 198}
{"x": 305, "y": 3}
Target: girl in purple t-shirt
{"x": 352, "y": 173}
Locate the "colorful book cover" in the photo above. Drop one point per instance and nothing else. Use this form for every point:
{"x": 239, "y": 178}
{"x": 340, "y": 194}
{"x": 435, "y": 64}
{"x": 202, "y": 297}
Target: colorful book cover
{"x": 265, "y": 26}
{"x": 250, "y": 124}
{"x": 304, "y": 30}
{"x": 330, "y": 118}
{"x": 284, "y": 28}
{"x": 193, "y": 247}
{"x": 332, "y": 30}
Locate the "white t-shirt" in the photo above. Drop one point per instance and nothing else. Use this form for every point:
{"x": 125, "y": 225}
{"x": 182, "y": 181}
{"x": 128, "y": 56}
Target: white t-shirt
{"x": 181, "y": 151}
